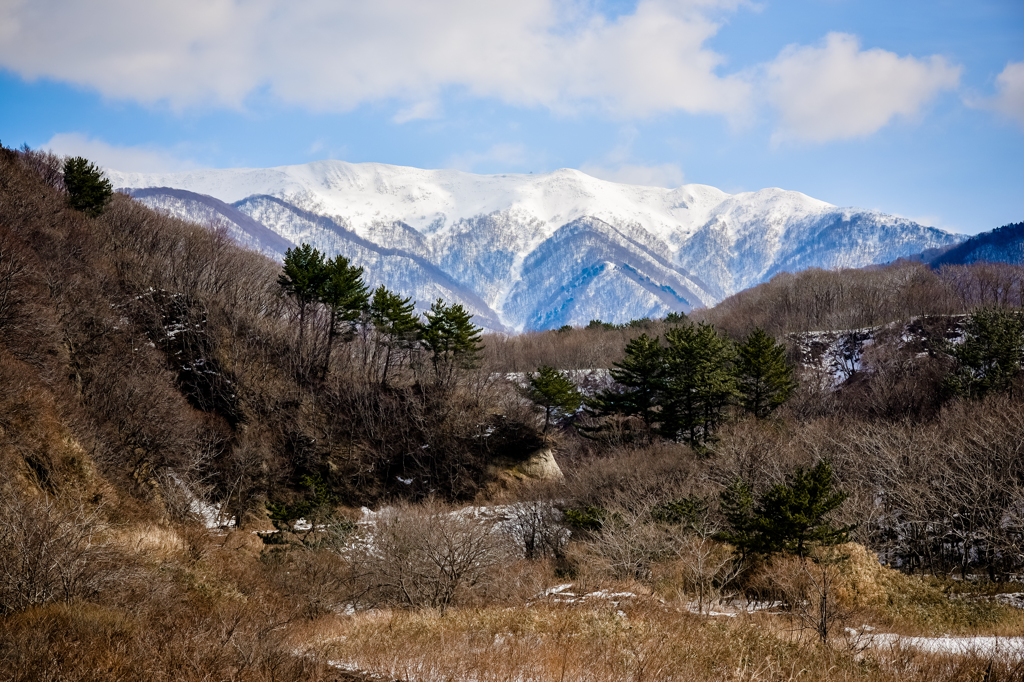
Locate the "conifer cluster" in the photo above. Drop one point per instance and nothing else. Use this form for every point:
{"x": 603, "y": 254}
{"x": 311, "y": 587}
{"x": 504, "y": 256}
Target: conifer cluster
{"x": 447, "y": 334}
{"x": 683, "y": 390}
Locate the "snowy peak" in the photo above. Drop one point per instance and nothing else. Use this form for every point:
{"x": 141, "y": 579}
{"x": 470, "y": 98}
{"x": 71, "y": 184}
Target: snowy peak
{"x": 430, "y": 200}
{"x": 536, "y": 251}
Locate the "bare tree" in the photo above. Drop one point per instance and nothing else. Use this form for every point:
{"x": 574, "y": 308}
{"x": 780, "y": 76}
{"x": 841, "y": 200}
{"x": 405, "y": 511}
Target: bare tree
{"x": 707, "y": 566}
{"x": 50, "y": 553}
{"x": 427, "y": 555}
{"x": 809, "y": 587}
{"x": 536, "y": 528}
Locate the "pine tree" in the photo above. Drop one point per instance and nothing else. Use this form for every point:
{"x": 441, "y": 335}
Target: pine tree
{"x": 638, "y": 380}
{"x": 397, "y": 326}
{"x": 675, "y": 318}
{"x": 690, "y": 511}
{"x": 452, "y": 339}
{"x": 989, "y": 358}
{"x": 790, "y": 518}
{"x": 554, "y": 392}
{"x": 88, "y": 190}
{"x": 765, "y": 379}
{"x": 345, "y": 296}
{"x": 737, "y": 505}
{"x": 698, "y": 384}
{"x": 303, "y": 278}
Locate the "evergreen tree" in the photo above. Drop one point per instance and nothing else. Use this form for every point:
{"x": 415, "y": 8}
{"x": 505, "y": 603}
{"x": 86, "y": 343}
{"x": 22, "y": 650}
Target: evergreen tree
{"x": 698, "y": 384}
{"x": 324, "y": 529}
{"x": 88, "y": 190}
{"x": 638, "y": 380}
{"x": 452, "y": 339}
{"x": 789, "y": 518}
{"x": 737, "y": 505}
{"x": 345, "y": 296}
{"x": 303, "y": 278}
{"x": 765, "y": 379}
{"x": 690, "y": 511}
{"x": 397, "y": 327}
{"x": 989, "y": 358}
{"x": 554, "y": 392}
{"x": 675, "y": 318}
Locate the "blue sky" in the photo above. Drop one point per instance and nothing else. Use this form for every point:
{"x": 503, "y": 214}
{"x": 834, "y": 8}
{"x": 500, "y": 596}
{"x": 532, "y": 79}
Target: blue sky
{"x": 910, "y": 107}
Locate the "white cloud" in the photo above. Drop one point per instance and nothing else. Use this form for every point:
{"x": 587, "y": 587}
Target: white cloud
{"x": 418, "y": 111}
{"x": 1010, "y": 98}
{"x": 317, "y": 145}
{"x": 126, "y": 159}
{"x": 336, "y": 54}
{"x": 504, "y": 153}
{"x": 835, "y": 90}
{"x": 659, "y": 175}
{"x": 618, "y": 165}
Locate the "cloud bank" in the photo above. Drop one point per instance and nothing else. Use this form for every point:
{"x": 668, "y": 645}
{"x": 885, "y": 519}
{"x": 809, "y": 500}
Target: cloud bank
{"x": 668, "y": 175}
{"x": 835, "y": 90}
{"x": 333, "y": 55}
{"x": 562, "y": 55}
{"x": 135, "y": 159}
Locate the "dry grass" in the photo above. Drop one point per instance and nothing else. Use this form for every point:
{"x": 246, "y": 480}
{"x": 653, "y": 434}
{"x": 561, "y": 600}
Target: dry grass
{"x": 915, "y": 605}
{"x": 640, "y": 641}
{"x": 231, "y": 615}
{"x": 652, "y": 637}
{"x": 154, "y": 541}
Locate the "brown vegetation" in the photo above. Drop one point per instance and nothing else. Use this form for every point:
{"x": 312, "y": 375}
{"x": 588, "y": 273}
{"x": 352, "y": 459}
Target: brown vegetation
{"x": 850, "y": 299}
{"x": 149, "y": 367}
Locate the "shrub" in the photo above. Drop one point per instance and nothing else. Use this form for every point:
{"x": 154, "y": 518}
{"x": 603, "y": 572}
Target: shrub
{"x": 536, "y": 528}
{"x": 48, "y": 553}
{"x": 427, "y": 556}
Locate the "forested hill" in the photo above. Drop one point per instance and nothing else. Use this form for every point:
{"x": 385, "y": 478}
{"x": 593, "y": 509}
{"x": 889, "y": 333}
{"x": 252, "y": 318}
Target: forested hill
{"x": 1002, "y": 245}
{"x": 162, "y": 362}
{"x": 177, "y": 361}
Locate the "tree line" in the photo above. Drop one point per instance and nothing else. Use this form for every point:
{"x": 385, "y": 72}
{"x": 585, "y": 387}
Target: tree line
{"x": 683, "y": 390}
{"x": 333, "y": 304}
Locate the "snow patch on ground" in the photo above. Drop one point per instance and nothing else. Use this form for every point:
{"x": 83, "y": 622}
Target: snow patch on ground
{"x": 977, "y": 645}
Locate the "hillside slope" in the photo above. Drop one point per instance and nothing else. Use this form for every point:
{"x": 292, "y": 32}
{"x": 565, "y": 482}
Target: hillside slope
{"x": 1002, "y": 245}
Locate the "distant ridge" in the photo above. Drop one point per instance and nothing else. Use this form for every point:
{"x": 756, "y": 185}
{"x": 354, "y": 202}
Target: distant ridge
{"x": 1002, "y": 245}
{"x": 536, "y": 251}
{"x": 204, "y": 208}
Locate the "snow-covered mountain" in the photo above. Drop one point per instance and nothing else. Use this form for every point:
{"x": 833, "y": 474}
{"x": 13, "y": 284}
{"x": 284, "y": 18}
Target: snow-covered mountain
{"x": 535, "y": 251}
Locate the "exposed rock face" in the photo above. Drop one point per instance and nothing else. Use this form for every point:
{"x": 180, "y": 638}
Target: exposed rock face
{"x": 540, "y": 465}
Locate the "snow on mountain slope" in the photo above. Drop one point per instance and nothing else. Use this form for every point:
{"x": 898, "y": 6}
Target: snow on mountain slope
{"x": 431, "y": 201}
{"x": 536, "y": 251}
{"x": 205, "y": 210}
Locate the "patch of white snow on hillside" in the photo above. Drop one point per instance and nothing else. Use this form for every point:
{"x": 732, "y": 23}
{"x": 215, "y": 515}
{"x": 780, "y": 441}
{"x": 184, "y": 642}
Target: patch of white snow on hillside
{"x": 977, "y": 645}
{"x": 418, "y": 197}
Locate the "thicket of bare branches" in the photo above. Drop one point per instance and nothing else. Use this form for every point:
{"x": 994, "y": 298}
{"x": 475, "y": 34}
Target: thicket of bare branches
{"x": 818, "y": 299}
{"x": 50, "y": 553}
{"x": 428, "y": 555}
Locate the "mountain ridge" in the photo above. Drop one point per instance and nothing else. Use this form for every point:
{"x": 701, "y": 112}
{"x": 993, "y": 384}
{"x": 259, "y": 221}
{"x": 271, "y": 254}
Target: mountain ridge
{"x": 484, "y": 232}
